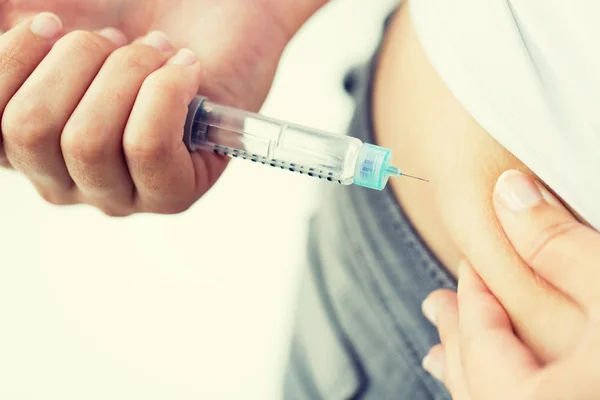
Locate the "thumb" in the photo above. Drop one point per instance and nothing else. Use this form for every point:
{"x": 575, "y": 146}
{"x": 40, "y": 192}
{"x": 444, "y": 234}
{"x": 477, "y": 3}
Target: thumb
{"x": 549, "y": 239}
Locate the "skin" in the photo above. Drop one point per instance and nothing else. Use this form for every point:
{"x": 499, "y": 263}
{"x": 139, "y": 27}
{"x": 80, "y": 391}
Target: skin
{"x": 106, "y": 141}
{"x": 247, "y": 50}
{"x": 112, "y": 137}
{"x": 433, "y": 136}
{"x": 480, "y": 357}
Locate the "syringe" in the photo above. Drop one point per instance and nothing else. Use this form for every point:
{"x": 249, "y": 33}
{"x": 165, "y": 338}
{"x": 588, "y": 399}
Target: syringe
{"x": 335, "y": 158}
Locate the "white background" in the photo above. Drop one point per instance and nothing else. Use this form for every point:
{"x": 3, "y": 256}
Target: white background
{"x": 196, "y": 306}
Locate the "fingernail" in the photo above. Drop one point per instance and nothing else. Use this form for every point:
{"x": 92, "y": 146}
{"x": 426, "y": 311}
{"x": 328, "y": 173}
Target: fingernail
{"x": 435, "y": 366}
{"x": 515, "y": 191}
{"x": 46, "y": 25}
{"x": 184, "y": 57}
{"x": 429, "y": 310}
{"x": 158, "y": 40}
{"x": 115, "y": 36}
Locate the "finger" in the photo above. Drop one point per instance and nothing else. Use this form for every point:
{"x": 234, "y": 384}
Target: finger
{"x": 92, "y": 142}
{"x": 35, "y": 117}
{"x": 548, "y": 238}
{"x": 21, "y": 50}
{"x": 161, "y": 167}
{"x": 493, "y": 358}
{"x": 441, "y": 308}
{"x": 533, "y": 304}
{"x": 434, "y": 362}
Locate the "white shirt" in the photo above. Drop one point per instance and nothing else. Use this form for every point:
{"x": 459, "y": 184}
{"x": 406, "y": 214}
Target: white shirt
{"x": 528, "y": 71}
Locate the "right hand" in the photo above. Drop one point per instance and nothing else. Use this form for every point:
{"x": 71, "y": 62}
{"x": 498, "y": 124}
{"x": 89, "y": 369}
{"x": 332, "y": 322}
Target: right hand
{"x": 91, "y": 118}
{"x": 119, "y": 149}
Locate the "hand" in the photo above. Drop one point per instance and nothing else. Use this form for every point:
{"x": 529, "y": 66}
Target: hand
{"x": 90, "y": 118}
{"x": 238, "y": 41}
{"x": 480, "y": 356}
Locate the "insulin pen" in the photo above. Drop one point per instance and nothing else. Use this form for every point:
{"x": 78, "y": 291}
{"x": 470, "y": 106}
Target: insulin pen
{"x": 335, "y": 158}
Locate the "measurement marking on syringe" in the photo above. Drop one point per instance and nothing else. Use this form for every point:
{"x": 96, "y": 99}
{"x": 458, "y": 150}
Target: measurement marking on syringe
{"x": 273, "y": 144}
{"x": 292, "y": 167}
{"x": 307, "y": 151}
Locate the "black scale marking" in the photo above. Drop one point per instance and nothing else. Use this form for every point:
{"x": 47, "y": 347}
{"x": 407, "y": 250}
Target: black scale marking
{"x": 233, "y": 153}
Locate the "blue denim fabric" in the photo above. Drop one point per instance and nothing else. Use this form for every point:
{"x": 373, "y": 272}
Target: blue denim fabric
{"x": 360, "y": 333}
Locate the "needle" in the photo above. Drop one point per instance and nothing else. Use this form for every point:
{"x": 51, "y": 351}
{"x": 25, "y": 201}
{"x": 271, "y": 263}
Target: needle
{"x": 393, "y": 171}
{"x": 415, "y": 177}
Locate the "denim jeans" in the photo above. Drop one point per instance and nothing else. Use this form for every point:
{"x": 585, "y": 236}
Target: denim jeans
{"x": 360, "y": 333}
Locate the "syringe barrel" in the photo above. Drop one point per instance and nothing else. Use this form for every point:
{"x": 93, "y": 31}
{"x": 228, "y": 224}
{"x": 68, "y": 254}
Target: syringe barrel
{"x": 240, "y": 134}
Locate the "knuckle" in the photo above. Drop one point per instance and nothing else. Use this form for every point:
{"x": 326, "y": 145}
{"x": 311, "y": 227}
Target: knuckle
{"x": 170, "y": 208}
{"x": 10, "y": 62}
{"x": 118, "y": 96}
{"x": 140, "y": 59}
{"x": 55, "y": 199}
{"x": 546, "y": 239}
{"x": 150, "y": 151}
{"x": 159, "y": 85}
{"x": 24, "y": 126}
{"x": 81, "y": 145}
{"x": 113, "y": 212}
{"x": 178, "y": 208}
{"x": 83, "y": 42}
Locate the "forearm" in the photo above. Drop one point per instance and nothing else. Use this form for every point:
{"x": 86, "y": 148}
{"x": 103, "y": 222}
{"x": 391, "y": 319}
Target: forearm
{"x": 294, "y": 13}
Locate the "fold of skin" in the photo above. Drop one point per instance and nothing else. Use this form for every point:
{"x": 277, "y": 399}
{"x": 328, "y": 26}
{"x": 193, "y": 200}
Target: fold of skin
{"x": 433, "y": 136}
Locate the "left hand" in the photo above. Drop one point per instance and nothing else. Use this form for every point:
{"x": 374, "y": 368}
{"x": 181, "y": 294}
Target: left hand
{"x": 480, "y": 356}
